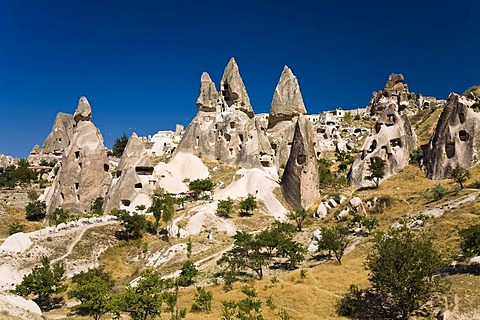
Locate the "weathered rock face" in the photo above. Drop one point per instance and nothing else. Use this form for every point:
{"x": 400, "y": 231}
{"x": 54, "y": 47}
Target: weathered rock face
{"x": 84, "y": 172}
{"x": 6, "y": 161}
{"x": 287, "y": 99}
{"x": 233, "y": 90}
{"x": 224, "y": 128}
{"x": 455, "y": 142}
{"x": 300, "y": 178}
{"x": 287, "y": 105}
{"x": 393, "y": 141}
{"x": 396, "y": 92}
{"x": 134, "y": 181}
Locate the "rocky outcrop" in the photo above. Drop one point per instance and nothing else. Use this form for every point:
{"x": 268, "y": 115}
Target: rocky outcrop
{"x": 455, "y": 142}
{"x": 287, "y": 105}
{"x": 393, "y": 141}
{"x": 287, "y": 100}
{"x": 134, "y": 181}
{"x": 233, "y": 90}
{"x": 84, "y": 172}
{"x": 300, "y": 179}
{"x": 224, "y": 128}
{"x": 6, "y": 161}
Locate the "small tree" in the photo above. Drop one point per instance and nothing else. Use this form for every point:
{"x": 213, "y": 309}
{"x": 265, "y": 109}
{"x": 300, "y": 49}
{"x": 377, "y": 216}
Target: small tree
{"x": 333, "y": 240}
{"x": 201, "y": 185}
{"x": 298, "y": 216}
{"x": 470, "y": 240}
{"x": 162, "y": 207}
{"x": 248, "y": 204}
{"x": 35, "y": 210}
{"x": 119, "y": 146}
{"x": 377, "y": 171}
{"x": 189, "y": 271}
{"x": 133, "y": 224}
{"x": 460, "y": 175}
{"x": 43, "y": 282}
{"x": 93, "y": 289}
{"x": 203, "y": 300}
{"x": 97, "y": 207}
{"x": 58, "y": 216}
{"x": 224, "y": 208}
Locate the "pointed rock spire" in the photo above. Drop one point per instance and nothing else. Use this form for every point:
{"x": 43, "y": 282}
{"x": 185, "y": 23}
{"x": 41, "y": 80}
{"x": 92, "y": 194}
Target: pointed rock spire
{"x": 233, "y": 89}
{"x": 84, "y": 111}
{"x": 208, "y": 96}
{"x": 287, "y": 99}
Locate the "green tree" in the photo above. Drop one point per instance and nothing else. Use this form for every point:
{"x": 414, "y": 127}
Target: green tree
{"x": 470, "y": 240}
{"x": 93, "y": 289}
{"x": 377, "y": 170}
{"x": 144, "y": 301}
{"x": 35, "y": 210}
{"x": 248, "y": 204}
{"x": 249, "y": 308}
{"x": 133, "y": 224}
{"x": 162, "y": 207}
{"x": 347, "y": 117}
{"x": 43, "y": 282}
{"x": 16, "y": 226}
{"x": 119, "y": 146}
{"x": 201, "y": 185}
{"x": 188, "y": 273}
{"x": 460, "y": 175}
{"x": 97, "y": 207}
{"x": 58, "y": 216}
{"x": 225, "y": 207}
{"x": 298, "y": 216}
{"x": 334, "y": 239}
{"x": 203, "y": 300}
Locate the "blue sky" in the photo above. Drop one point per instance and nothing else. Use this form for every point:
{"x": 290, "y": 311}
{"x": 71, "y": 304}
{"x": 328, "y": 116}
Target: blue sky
{"x": 139, "y": 62}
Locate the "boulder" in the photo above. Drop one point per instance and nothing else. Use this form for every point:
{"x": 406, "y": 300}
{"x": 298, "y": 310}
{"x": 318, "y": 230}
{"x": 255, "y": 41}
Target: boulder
{"x": 233, "y": 90}
{"x": 300, "y": 179}
{"x": 455, "y": 142}
{"x": 134, "y": 176}
{"x": 84, "y": 171}
{"x": 321, "y": 211}
{"x": 355, "y": 202}
{"x": 392, "y": 142}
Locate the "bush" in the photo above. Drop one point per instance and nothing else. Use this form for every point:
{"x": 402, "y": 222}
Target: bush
{"x": 248, "y": 204}
{"x": 16, "y": 226}
{"x": 35, "y": 210}
{"x": 203, "y": 300}
{"x": 416, "y": 156}
{"x": 438, "y": 192}
{"x": 224, "y": 208}
{"x": 201, "y": 185}
{"x": 189, "y": 271}
{"x": 58, "y": 216}
{"x": 470, "y": 240}
{"x": 133, "y": 223}
{"x": 460, "y": 175}
{"x": 97, "y": 207}
{"x": 119, "y": 146}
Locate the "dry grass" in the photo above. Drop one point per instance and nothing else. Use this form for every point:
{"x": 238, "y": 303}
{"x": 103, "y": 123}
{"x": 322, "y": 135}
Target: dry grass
{"x": 425, "y": 122}
{"x": 223, "y": 173}
{"x": 16, "y": 214}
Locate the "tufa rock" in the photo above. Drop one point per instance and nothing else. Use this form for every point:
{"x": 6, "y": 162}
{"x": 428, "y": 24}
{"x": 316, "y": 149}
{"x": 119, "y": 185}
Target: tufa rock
{"x": 300, "y": 179}
{"x": 455, "y": 142}
{"x": 287, "y": 99}
{"x": 83, "y": 112}
{"x": 84, "y": 171}
{"x": 134, "y": 181}
{"x": 60, "y": 136}
{"x": 393, "y": 141}
{"x": 208, "y": 98}
{"x": 233, "y": 90}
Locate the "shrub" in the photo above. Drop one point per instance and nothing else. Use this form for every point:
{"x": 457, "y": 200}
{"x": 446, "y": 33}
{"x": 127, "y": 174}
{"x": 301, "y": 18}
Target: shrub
{"x": 35, "y": 210}
{"x": 16, "y": 226}
{"x": 438, "y": 192}
{"x": 248, "y": 204}
{"x": 224, "y": 208}
{"x": 119, "y": 146}
{"x": 470, "y": 240}
{"x": 203, "y": 300}
{"x": 460, "y": 175}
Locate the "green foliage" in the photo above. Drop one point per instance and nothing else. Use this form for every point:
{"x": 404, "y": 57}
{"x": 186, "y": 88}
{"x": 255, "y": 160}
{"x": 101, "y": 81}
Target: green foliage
{"x": 188, "y": 273}
{"x": 35, "y": 210}
{"x": 460, "y": 175}
{"x": 402, "y": 269}
{"x": 416, "y": 156}
{"x": 97, "y": 207}
{"x": 249, "y": 308}
{"x": 334, "y": 239}
{"x": 224, "y": 208}
{"x": 58, "y": 216}
{"x": 470, "y": 240}
{"x": 133, "y": 224}
{"x": 344, "y": 158}
{"x": 248, "y": 204}
{"x": 377, "y": 171}
{"x": 15, "y": 175}
{"x": 203, "y": 300}
{"x": 119, "y": 146}
{"x": 298, "y": 216}
{"x": 438, "y": 192}
{"x": 93, "y": 289}
{"x": 144, "y": 301}
{"x": 347, "y": 117}
{"x": 189, "y": 248}
{"x": 326, "y": 178}
{"x": 162, "y": 208}
{"x": 16, "y": 226}
{"x": 303, "y": 274}
{"x": 43, "y": 282}
{"x": 201, "y": 185}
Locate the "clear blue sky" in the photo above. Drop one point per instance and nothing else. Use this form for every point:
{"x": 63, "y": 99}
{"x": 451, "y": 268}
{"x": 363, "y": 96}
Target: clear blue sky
{"x": 139, "y": 62}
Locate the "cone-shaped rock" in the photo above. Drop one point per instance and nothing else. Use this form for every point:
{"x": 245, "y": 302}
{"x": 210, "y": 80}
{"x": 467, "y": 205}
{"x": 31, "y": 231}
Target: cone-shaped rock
{"x": 59, "y": 137}
{"x": 208, "y": 99}
{"x": 287, "y": 99}
{"x": 134, "y": 181}
{"x": 300, "y": 178}
{"x": 456, "y": 141}
{"x": 84, "y": 172}
{"x": 233, "y": 90}
{"x": 393, "y": 141}
{"x": 83, "y": 112}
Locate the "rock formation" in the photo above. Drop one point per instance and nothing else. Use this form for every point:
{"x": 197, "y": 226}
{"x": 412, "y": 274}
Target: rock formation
{"x": 224, "y": 128}
{"x": 455, "y": 142}
{"x": 287, "y": 105}
{"x": 393, "y": 141}
{"x": 57, "y": 140}
{"x": 84, "y": 172}
{"x": 134, "y": 181}
{"x": 6, "y": 161}
{"x": 300, "y": 178}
